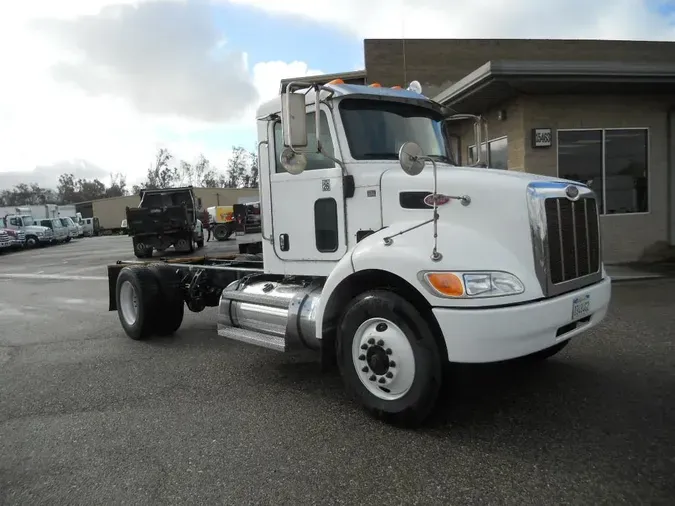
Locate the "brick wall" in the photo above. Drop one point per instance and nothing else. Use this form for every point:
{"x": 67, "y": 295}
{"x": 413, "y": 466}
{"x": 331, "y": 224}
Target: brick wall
{"x": 624, "y": 237}
{"x": 437, "y": 63}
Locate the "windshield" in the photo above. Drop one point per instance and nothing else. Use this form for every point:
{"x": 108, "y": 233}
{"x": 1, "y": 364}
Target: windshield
{"x": 28, "y": 221}
{"x": 376, "y": 129}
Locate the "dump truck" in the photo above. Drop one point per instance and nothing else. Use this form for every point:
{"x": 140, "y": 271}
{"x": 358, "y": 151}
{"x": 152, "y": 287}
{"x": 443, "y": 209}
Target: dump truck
{"x": 383, "y": 256}
{"x": 165, "y": 217}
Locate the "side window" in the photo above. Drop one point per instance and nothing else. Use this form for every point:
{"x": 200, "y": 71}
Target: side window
{"x": 15, "y": 222}
{"x": 326, "y": 225}
{"x": 314, "y": 160}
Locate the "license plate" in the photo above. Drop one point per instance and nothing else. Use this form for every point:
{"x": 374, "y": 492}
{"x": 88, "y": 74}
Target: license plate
{"x": 581, "y": 306}
{"x": 238, "y": 232}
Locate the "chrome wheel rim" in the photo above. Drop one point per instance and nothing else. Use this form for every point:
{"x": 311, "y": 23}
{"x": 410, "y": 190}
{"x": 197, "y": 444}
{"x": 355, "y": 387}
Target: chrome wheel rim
{"x": 383, "y": 359}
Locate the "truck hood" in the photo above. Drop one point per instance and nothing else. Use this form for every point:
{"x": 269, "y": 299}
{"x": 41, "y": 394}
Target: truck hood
{"x": 36, "y": 228}
{"x": 498, "y": 208}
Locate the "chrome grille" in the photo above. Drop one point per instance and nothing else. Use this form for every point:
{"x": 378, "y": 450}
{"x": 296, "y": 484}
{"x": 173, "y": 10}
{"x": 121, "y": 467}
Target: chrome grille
{"x": 566, "y": 237}
{"x": 572, "y": 231}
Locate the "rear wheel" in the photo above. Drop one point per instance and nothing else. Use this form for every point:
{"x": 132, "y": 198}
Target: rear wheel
{"x": 222, "y": 232}
{"x": 388, "y": 358}
{"x": 137, "y": 292}
{"x": 141, "y": 250}
{"x": 170, "y": 301}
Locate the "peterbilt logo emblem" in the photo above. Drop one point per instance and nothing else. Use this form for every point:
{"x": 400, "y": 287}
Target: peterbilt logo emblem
{"x": 438, "y": 197}
{"x": 572, "y": 192}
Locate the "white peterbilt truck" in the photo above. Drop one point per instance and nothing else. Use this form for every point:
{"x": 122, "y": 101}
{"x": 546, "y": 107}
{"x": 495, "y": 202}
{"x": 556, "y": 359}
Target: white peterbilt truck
{"x": 383, "y": 256}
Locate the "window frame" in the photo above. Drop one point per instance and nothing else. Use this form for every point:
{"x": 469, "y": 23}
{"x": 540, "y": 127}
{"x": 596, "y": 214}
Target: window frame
{"x": 277, "y": 163}
{"x": 487, "y": 145}
{"x": 603, "y": 131}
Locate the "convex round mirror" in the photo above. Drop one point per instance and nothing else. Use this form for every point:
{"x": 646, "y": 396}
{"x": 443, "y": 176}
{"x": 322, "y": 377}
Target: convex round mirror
{"x": 409, "y": 156}
{"x": 294, "y": 163}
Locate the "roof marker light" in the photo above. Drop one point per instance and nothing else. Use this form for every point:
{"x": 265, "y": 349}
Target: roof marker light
{"x": 376, "y": 85}
{"x": 397, "y": 87}
{"x": 336, "y": 81}
{"x": 415, "y": 86}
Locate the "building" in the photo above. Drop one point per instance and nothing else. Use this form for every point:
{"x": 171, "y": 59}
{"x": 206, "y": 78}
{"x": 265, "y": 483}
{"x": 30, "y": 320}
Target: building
{"x": 110, "y": 212}
{"x": 600, "y": 112}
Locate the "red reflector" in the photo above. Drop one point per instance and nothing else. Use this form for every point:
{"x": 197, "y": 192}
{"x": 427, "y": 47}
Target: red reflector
{"x": 438, "y": 197}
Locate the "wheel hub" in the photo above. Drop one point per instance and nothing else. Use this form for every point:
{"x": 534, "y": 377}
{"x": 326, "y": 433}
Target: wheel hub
{"x": 377, "y": 360}
{"x": 383, "y": 358}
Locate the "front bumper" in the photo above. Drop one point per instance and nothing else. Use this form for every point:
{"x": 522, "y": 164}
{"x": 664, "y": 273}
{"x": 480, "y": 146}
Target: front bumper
{"x": 494, "y": 334}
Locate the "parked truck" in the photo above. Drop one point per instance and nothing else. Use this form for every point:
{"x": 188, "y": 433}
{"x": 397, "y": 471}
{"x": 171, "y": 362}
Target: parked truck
{"x": 165, "y": 217}
{"x": 24, "y": 225}
{"x": 383, "y": 256}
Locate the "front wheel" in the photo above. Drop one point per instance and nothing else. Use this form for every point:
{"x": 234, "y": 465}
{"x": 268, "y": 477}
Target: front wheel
{"x": 388, "y": 358}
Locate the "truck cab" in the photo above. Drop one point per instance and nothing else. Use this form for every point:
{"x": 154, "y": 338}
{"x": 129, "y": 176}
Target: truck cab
{"x": 35, "y": 234}
{"x": 60, "y": 232}
{"x": 386, "y": 257}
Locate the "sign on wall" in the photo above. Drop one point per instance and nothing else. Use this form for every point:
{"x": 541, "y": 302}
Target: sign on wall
{"x": 542, "y": 138}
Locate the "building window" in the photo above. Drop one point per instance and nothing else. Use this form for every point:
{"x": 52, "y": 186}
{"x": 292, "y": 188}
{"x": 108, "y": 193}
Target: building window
{"x": 613, "y": 162}
{"x": 499, "y": 154}
{"x": 314, "y": 160}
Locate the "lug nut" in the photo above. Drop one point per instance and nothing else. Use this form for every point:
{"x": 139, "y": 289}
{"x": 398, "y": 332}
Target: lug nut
{"x": 365, "y": 369}
{"x": 389, "y": 375}
{"x": 362, "y": 357}
{"x": 371, "y": 341}
{"x": 372, "y": 378}
{"x": 364, "y": 346}
{"x": 380, "y": 342}
{"x": 381, "y": 327}
{"x": 392, "y": 364}
{"x": 388, "y": 351}
{"x": 381, "y": 380}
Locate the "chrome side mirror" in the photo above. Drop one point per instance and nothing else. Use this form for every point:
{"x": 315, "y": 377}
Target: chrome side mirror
{"x": 411, "y": 158}
{"x": 292, "y": 161}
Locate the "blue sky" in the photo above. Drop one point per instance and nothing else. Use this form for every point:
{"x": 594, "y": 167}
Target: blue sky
{"x": 270, "y": 37}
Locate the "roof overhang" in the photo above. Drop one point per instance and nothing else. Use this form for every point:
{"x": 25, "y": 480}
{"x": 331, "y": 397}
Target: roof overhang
{"x": 498, "y": 81}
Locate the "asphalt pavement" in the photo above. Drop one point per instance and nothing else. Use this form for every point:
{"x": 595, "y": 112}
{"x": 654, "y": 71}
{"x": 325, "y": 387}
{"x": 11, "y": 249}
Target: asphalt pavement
{"x": 88, "y": 416}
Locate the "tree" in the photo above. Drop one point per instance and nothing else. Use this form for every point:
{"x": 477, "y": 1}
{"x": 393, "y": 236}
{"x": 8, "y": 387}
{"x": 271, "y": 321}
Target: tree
{"x": 161, "y": 174}
{"x": 237, "y": 167}
{"x": 117, "y": 186}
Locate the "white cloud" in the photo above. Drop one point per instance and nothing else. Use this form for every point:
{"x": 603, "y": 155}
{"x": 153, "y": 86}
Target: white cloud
{"x": 597, "y": 19}
{"x": 109, "y": 106}
{"x": 118, "y": 120}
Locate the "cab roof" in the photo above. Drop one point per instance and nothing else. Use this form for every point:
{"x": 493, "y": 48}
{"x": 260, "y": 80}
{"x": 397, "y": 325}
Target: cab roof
{"x": 344, "y": 90}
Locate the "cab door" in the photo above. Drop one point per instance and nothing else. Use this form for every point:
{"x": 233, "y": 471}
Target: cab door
{"x": 308, "y": 209}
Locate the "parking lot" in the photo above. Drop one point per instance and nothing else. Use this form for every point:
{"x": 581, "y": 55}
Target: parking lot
{"x": 89, "y": 416}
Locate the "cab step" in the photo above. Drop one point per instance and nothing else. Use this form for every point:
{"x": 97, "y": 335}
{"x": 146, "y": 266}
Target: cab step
{"x": 252, "y": 337}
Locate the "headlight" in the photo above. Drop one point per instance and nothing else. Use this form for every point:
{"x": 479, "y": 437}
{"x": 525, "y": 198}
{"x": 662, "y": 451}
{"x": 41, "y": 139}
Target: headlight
{"x": 473, "y": 284}
{"x": 39, "y": 234}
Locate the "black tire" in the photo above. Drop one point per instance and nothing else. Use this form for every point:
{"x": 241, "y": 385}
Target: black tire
{"x": 418, "y": 402}
{"x": 170, "y": 300}
{"x": 146, "y": 287}
{"x": 142, "y": 252}
{"x": 548, "y": 352}
{"x": 200, "y": 243}
{"x": 222, "y": 232}
{"x": 32, "y": 242}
